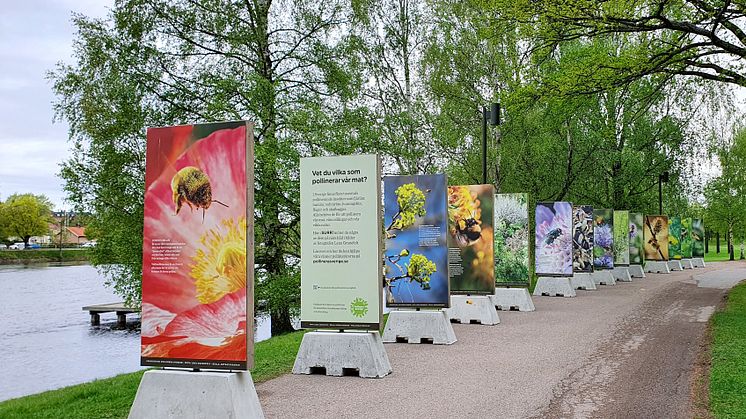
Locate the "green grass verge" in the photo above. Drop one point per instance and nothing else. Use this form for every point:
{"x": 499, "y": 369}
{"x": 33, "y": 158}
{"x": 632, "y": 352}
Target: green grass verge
{"x": 42, "y": 255}
{"x": 711, "y": 256}
{"x": 728, "y": 370}
{"x": 112, "y": 397}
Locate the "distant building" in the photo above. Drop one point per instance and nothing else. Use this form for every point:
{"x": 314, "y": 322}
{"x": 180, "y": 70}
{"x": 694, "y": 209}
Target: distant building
{"x": 72, "y": 235}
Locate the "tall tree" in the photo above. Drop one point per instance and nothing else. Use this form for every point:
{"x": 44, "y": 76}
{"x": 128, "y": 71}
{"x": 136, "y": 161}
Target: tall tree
{"x": 25, "y": 215}
{"x": 700, "y": 38}
{"x": 287, "y": 65}
{"x": 726, "y": 194}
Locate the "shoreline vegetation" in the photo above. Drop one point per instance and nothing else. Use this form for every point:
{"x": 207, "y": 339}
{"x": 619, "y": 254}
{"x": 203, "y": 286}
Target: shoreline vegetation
{"x": 13, "y": 257}
{"x": 111, "y": 398}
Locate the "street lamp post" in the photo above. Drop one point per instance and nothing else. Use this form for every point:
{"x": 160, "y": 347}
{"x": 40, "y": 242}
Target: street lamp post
{"x": 663, "y": 177}
{"x": 494, "y": 117}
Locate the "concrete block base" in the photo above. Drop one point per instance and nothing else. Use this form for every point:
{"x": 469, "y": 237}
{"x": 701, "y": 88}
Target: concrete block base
{"x": 477, "y": 308}
{"x": 341, "y": 353}
{"x": 603, "y": 277}
{"x": 583, "y": 281}
{"x": 621, "y": 274}
{"x": 675, "y": 265}
{"x": 554, "y": 287}
{"x": 686, "y": 264}
{"x": 186, "y": 394}
{"x": 419, "y": 326}
{"x": 509, "y": 298}
{"x": 636, "y": 271}
{"x": 658, "y": 267}
{"x": 698, "y": 263}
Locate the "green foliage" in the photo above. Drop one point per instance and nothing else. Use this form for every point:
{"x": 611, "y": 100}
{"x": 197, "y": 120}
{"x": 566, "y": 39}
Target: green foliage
{"x": 726, "y": 194}
{"x": 728, "y": 369}
{"x": 25, "y": 215}
{"x": 419, "y": 270}
{"x": 411, "y": 203}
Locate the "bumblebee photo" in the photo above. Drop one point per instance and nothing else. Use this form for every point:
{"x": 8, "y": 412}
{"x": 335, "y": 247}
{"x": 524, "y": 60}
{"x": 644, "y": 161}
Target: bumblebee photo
{"x": 470, "y": 228}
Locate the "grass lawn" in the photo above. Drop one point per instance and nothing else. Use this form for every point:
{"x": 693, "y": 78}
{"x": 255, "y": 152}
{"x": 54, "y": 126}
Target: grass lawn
{"x": 112, "y": 397}
{"x": 728, "y": 370}
{"x": 711, "y": 256}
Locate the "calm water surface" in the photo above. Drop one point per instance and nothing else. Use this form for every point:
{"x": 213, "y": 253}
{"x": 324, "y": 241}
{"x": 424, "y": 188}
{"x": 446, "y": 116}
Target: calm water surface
{"x": 46, "y": 340}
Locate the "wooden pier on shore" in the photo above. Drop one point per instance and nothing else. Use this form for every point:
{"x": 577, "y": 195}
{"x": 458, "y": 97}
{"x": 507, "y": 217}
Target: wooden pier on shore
{"x": 119, "y": 308}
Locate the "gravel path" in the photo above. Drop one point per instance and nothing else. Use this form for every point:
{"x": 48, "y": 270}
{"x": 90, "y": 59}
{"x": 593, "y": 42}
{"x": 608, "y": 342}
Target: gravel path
{"x": 621, "y": 351}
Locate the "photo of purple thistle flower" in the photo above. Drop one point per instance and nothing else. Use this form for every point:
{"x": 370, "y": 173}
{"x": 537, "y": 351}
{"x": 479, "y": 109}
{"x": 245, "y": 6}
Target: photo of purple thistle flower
{"x": 602, "y": 236}
{"x": 604, "y": 261}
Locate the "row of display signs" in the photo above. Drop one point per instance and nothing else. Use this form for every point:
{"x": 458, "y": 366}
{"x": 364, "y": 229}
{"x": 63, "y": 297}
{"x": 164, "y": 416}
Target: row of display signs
{"x": 198, "y": 250}
{"x": 440, "y": 240}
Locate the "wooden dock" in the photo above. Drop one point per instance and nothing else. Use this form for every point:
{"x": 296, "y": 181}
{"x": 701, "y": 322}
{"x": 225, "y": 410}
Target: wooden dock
{"x": 119, "y": 308}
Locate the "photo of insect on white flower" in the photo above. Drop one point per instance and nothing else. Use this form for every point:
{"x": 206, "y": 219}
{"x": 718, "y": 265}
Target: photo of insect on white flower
{"x": 554, "y": 238}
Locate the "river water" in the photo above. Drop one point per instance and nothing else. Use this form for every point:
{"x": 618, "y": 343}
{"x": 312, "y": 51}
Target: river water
{"x": 46, "y": 340}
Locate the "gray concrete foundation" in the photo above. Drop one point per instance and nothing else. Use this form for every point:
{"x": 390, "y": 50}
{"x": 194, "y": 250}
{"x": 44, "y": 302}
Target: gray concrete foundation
{"x": 698, "y": 263}
{"x": 636, "y": 271}
{"x": 186, "y": 394}
{"x": 603, "y": 277}
{"x": 341, "y": 353}
{"x": 476, "y": 308}
{"x": 419, "y": 326}
{"x": 686, "y": 264}
{"x": 675, "y": 265}
{"x": 621, "y": 274}
{"x": 509, "y": 298}
{"x": 583, "y": 281}
{"x": 554, "y": 287}
{"x": 658, "y": 267}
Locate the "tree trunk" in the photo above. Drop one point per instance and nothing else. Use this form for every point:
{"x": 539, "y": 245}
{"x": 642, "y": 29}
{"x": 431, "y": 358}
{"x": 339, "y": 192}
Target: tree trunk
{"x": 730, "y": 243}
{"x": 717, "y": 242}
{"x": 281, "y": 323}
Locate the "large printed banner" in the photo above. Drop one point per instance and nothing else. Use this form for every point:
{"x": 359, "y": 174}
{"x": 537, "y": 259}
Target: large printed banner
{"x": 603, "y": 239}
{"x": 621, "y": 238}
{"x": 636, "y": 243}
{"x": 511, "y": 240}
{"x": 698, "y": 238}
{"x": 686, "y": 238}
{"x": 674, "y": 237}
{"x": 582, "y": 238}
{"x": 416, "y": 256}
{"x": 553, "y": 239}
{"x": 340, "y": 210}
{"x": 198, "y": 266}
{"x": 656, "y": 237}
{"x": 471, "y": 260}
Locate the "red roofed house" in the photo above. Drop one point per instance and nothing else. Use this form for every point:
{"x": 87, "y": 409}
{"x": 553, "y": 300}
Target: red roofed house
{"x": 72, "y": 235}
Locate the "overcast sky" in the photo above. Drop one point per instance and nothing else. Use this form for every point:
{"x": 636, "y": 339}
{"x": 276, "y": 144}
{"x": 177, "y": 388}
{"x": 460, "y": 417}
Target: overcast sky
{"x": 34, "y": 36}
